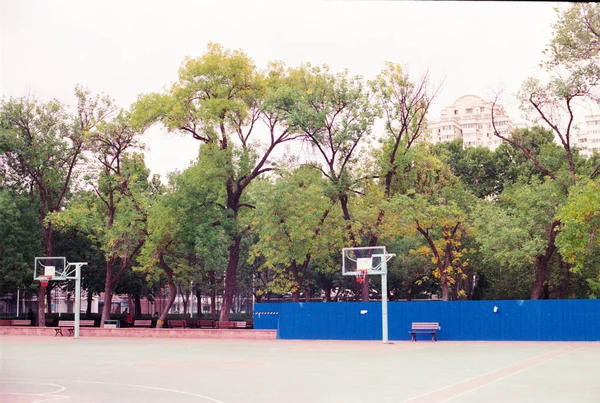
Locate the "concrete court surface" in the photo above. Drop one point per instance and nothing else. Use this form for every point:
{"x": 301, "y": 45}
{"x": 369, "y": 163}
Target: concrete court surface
{"x": 64, "y": 370}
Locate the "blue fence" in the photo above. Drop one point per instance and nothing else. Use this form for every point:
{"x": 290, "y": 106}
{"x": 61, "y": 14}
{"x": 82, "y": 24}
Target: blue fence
{"x": 552, "y": 320}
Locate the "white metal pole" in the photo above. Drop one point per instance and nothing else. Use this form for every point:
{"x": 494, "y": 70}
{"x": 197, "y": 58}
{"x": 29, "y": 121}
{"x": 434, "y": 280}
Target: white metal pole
{"x": 384, "y": 305}
{"x": 18, "y": 302}
{"x": 77, "y": 298}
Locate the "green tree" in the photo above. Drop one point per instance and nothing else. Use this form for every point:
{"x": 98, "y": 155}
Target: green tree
{"x": 219, "y": 99}
{"x": 21, "y": 238}
{"x": 576, "y": 38}
{"x": 189, "y": 230}
{"x": 114, "y": 213}
{"x": 578, "y": 241}
{"x": 297, "y": 230}
{"x": 335, "y": 114}
{"x": 42, "y": 144}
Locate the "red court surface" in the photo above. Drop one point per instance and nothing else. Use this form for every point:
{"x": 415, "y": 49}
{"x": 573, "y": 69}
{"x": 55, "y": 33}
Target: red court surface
{"x": 66, "y": 370}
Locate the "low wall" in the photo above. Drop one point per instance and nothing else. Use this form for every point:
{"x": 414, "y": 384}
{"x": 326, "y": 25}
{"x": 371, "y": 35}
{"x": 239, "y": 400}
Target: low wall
{"x": 513, "y": 320}
{"x": 146, "y": 332}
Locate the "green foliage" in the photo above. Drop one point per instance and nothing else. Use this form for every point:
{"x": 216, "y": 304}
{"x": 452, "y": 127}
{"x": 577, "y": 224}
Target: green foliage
{"x": 578, "y": 241}
{"x": 296, "y": 228}
{"x": 21, "y": 239}
{"x": 576, "y": 37}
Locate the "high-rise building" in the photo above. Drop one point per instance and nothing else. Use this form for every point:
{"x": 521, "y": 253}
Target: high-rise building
{"x": 470, "y": 118}
{"x": 589, "y": 140}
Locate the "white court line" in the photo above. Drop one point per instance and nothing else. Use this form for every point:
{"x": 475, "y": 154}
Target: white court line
{"x": 475, "y": 377}
{"x": 47, "y": 394}
{"x": 130, "y": 386}
{"x": 137, "y": 364}
{"x": 511, "y": 374}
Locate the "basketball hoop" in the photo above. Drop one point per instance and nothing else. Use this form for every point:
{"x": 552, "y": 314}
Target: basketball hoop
{"x": 44, "y": 280}
{"x": 361, "y": 276}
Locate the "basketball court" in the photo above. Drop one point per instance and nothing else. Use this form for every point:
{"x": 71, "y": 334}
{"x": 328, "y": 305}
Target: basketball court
{"x": 54, "y": 369}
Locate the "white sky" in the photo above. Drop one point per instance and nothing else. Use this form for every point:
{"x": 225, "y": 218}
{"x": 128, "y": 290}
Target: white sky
{"x": 124, "y": 48}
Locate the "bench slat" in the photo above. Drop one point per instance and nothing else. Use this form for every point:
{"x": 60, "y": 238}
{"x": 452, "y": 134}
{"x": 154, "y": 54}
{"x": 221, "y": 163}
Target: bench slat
{"x": 176, "y": 323}
{"x": 424, "y": 327}
{"x": 142, "y": 323}
{"x": 206, "y": 323}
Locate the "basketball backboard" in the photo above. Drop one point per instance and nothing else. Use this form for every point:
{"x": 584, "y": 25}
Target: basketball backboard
{"x": 369, "y": 258}
{"x": 55, "y": 267}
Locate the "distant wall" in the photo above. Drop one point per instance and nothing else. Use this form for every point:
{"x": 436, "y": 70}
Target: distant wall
{"x": 552, "y": 320}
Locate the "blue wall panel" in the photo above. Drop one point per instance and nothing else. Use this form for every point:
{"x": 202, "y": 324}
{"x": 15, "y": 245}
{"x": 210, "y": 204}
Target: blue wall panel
{"x": 554, "y": 320}
{"x": 266, "y": 316}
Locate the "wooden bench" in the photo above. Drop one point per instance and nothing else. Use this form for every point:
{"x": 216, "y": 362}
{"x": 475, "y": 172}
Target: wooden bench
{"x": 176, "y": 323}
{"x": 4, "y": 322}
{"x": 142, "y": 323}
{"x": 191, "y": 323}
{"x": 225, "y": 325}
{"x": 70, "y": 325}
{"x": 424, "y": 327}
{"x": 20, "y": 322}
{"x": 206, "y": 323}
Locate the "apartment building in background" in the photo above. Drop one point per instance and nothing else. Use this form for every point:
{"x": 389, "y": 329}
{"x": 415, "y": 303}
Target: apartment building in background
{"x": 470, "y": 118}
{"x": 588, "y": 140}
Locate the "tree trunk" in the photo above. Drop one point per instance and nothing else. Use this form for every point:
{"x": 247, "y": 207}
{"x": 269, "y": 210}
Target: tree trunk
{"x": 49, "y": 298}
{"x": 107, "y": 294}
{"x": 184, "y": 299}
{"x": 444, "y": 284}
{"x": 543, "y": 263}
{"x": 566, "y": 278}
{"x": 230, "y": 278}
{"x": 172, "y": 292}
{"x": 213, "y": 294}
{"x": 90, "y": 298}
{"x": 41, "y": 306}
{"x": 307, "y": 287}
{"x": 198, "y": 302}
{"x": 47, "y": 234}
{"x": 540, "y": 278}
{"x": 138, "y": 305}
{"x": 365, "y": 289}
{"x": 298, "y": 279}
{"x": 132, "y": 310}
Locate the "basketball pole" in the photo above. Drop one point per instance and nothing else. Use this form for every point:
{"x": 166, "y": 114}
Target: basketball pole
{"x": 384, "y": 303}
{"x": 77, "y": 299}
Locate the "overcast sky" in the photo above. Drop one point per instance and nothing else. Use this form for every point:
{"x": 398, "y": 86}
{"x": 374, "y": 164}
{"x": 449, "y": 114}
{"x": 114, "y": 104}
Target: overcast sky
{"x": 124, "y": 48}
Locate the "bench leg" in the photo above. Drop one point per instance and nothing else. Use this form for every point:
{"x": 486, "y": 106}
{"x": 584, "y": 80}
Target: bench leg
{"x": 72, "y": 331}
{"x": 413, "y": 337}
{"x": 433, "y": 337}
{"x": 58, "y": 331}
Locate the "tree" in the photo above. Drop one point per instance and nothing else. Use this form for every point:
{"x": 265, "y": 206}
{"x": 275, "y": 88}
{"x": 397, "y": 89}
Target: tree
{"x": 577, "y": 240}
{"x": 477, "y": 167}
{"x": 42, "y": 145}
{"x": 114, "y": 213}
{"x": 519, "y": 232}
{"x": 188, "y": 228}
{"x": 431, "y": 202}
{"x": 296, "y": 231}
{"x": 554, "y": 104}
{"x": 335, "y": 114}
{"x": 219, "y": 99}
{"x": 21, "y": 238}
{"x": 576, "y": 38}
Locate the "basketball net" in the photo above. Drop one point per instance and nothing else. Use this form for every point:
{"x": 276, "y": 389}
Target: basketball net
{"x": 44, "y": 281}
{"x": 361, "y": 276}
